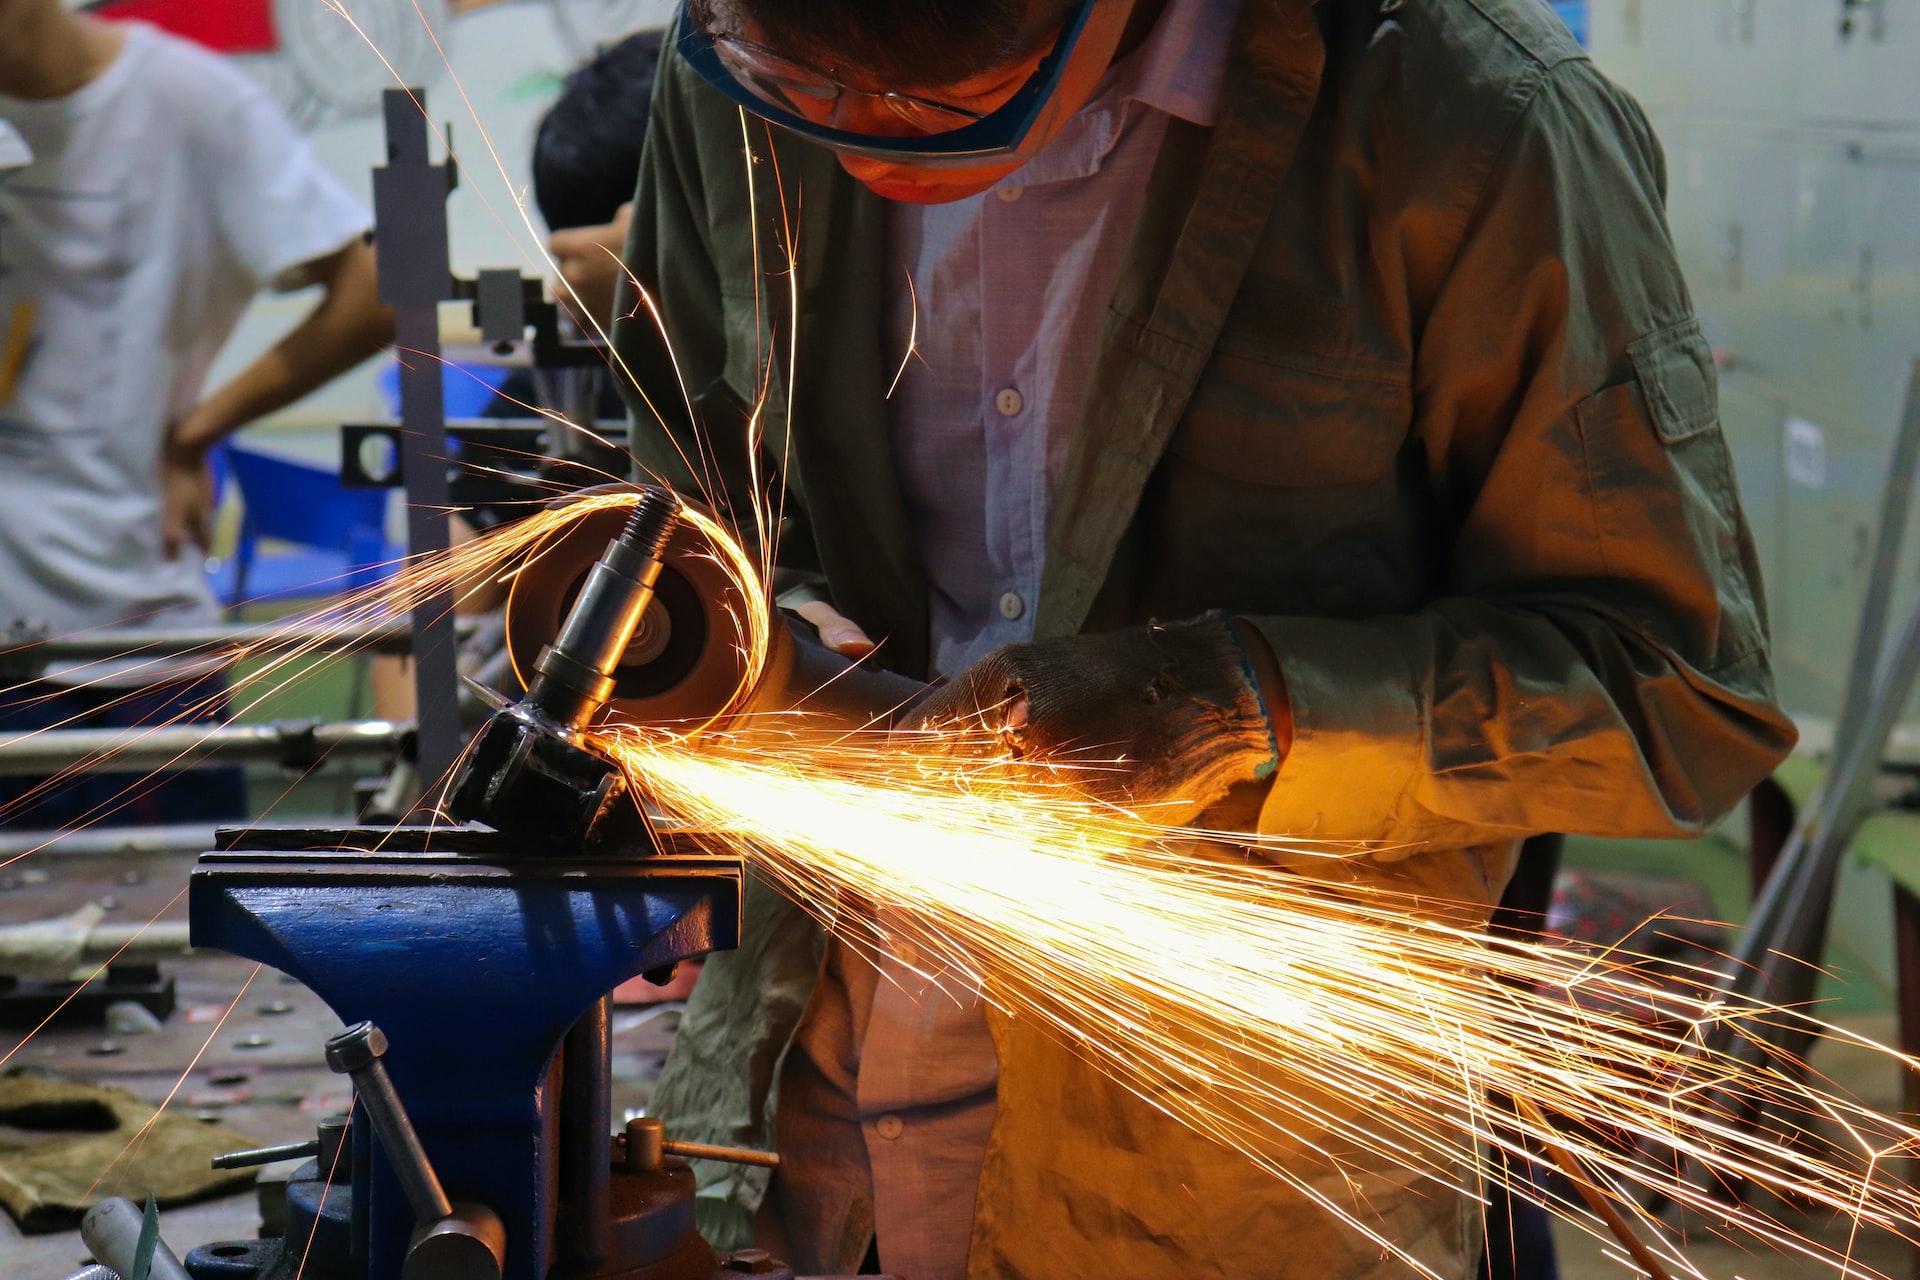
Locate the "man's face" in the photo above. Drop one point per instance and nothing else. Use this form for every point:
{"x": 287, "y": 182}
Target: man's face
{"x": 979, "y": 94}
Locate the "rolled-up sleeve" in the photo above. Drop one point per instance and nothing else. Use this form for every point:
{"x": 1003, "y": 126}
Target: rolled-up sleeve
{"x": 1597, "y": 662}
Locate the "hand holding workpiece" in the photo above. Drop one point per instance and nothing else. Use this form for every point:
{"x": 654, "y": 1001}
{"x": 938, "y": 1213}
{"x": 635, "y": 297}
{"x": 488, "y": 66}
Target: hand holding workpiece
{"x": 1170, "y": 715}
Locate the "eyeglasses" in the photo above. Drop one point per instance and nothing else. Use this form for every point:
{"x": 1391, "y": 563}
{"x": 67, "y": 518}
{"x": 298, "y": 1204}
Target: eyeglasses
{"x": 792, "y": 86}
{"x": 938, "y": 134}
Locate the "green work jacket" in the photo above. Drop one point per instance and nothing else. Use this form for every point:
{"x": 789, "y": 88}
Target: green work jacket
{"x": 1400, "y": 366}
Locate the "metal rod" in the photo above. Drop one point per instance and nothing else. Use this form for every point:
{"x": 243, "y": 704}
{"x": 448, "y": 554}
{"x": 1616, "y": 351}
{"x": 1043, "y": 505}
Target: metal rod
{"x": 1597, "y": 1200}
{"x": 1793, "y": 902}
{"x": 267, "y": 1155}
{"x": 356, "y": 1053}
{"x": 1863, "y": 674}
{"x": 111, "y": 1231}
{"x": 99, "y": 646}
{"x": 1896, "y": 499}
{"x": 107, "y": 842}
{"x": 732, "y": 1155}
{"x": 296, "y": 746}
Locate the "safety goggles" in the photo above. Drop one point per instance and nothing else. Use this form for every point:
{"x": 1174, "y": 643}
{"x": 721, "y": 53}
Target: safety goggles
{"x": 938, "y": 134}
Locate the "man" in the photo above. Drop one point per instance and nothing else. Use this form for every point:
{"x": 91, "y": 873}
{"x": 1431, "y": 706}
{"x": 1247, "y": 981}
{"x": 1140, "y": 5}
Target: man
{"x": 586, "y": 155}
{"x": 163, "y": 190}
{"x": 1345, "y": 340}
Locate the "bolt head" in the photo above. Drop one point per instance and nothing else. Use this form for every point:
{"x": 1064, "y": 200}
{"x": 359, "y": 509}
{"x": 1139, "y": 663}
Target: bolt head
{"x": 356, "y": 1048}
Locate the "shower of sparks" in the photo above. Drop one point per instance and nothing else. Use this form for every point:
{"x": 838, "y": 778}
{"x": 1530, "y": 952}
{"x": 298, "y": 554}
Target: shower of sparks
{"x": 1310, "y": 1016}
{"x": 1324, "y": 1026}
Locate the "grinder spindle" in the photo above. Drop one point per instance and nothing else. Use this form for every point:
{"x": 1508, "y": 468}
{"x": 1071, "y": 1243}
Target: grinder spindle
{"x": 574, "y": 675}
{"x": 527, "y": 773}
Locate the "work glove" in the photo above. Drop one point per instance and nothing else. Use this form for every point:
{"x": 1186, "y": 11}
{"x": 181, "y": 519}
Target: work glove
{"x": 1163, "y": 719}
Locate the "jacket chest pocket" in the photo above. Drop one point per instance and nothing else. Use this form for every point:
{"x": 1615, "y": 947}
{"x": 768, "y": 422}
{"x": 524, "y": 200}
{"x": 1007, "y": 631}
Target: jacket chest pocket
{"x": 1290, "y": 399}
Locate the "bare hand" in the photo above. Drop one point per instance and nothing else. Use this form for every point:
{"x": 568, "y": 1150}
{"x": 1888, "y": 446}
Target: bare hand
{"x": 838, "y": 632}
{"x": 186, "y": 499}
{"x": 588, "y": 259}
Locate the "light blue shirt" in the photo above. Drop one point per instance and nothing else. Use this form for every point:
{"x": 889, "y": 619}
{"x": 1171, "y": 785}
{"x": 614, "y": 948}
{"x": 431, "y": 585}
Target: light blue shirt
{"x": 1010, "y": 288}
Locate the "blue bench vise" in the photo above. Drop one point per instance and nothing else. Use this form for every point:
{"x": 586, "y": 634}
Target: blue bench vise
{"x": 486, "y": 969}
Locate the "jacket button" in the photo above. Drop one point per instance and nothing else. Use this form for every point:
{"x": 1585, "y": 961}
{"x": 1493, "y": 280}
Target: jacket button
{"x": 889, "y": 1127}
{"x": 1009, "y": 402}
{"x": 1007, "y": 194}
{"x": 1012, "y": 606}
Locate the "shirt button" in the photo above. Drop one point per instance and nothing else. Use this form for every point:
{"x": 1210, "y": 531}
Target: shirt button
{"x": 1012, "y": 606}
{"x": 890, "y": 1127}
{"x": 1009, "y": 402}
{"x": 1007, "y": 194}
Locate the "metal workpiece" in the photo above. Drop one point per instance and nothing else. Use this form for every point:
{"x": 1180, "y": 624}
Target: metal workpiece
{"x": 528, "y": 773}
{"x": 539, "y": 783}
{"x": 111, "y": 1231}
{"x": 295, "y": 745}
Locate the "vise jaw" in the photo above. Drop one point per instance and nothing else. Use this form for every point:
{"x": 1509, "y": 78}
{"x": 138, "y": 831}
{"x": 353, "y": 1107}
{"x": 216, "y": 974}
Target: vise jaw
{"x": 478, "y": 960}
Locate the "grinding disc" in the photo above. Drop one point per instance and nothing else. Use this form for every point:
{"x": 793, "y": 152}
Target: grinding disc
{"x": 685, "y": 663}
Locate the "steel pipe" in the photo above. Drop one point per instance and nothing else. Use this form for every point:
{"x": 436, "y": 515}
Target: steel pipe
{"x": 107, "y": 842}
{"x": 299, "y": 745}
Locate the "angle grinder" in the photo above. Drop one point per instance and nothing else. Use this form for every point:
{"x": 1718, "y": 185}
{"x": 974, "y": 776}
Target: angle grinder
{"x": 630, "y": 615}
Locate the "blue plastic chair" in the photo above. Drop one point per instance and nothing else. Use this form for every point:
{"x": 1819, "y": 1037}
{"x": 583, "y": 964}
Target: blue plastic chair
{"x": 336, "y": 536}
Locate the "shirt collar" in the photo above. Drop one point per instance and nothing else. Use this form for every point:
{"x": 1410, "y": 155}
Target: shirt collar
{"x": 1183, "y": 64}
{"x": 1180, "y": 70}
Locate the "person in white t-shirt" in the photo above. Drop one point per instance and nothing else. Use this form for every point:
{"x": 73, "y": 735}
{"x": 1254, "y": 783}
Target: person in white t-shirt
{"x": 164, "y": 190}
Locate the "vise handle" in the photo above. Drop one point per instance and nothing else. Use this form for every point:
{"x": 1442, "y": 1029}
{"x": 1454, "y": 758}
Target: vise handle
{"x": 450, "y": 1241}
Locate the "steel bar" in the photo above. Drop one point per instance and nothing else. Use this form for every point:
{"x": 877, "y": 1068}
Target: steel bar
{"x": 1597, "y": 1200}
{"x": 732, "y": 1155}
{"x": 267, "y": 1155}
{"x": 1791, "y": 907}
{"x": 250, "y": 641}
{"x": 107, "y": 842}
{"x": 111, "y": 1231}
{"x": 356, "y": 1053}
{"x": 410, "y": 217}
{"x": 296, "y": 746}
{"x": 1807, "y": 890}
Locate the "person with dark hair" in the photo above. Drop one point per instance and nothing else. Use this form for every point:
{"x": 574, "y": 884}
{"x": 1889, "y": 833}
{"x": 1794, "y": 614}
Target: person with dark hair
{"x": 1309, "y": 427}
{"x": 586, "y": 157}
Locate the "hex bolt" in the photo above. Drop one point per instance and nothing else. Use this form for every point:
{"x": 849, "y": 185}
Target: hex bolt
{"x": 356, "y": 1053}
